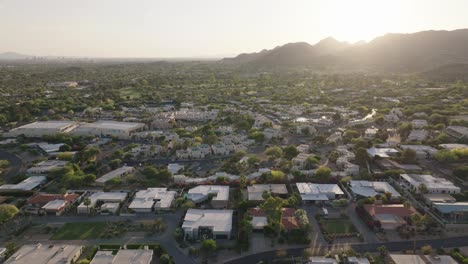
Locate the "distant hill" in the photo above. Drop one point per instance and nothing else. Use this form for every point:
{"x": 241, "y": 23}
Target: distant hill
{"x": 414, "y": 52}
{"x": 448, "y": 73}
{"x": 13, "y": 56}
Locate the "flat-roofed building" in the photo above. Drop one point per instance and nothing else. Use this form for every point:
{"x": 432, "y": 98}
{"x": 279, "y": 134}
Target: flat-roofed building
{"x": 453, "y": 146}
{"x": 373, "y": 188}
{"x": 152, "y": 199}
{"x": 431, "y": 198}
{"x": 46, "y": 254}
{"x": 322, "y": 260}
{"x": 202, "y": 224}
{"x": 421, "y": 150}
{"x": 432, "y": 184}
{"x": 47, "y": 166}
{"x": 452, "y": 212}
{"x": 418, "y": 135}
{"x": 382, "y": 152}
{"x": 121, "y": 130}
{"x": 356, "y": 260}
{"x": 124, "y": 170}
{"x": 124, "y": 256}
{"x": 201, "y": 193}
{"x": 255, "y": 192}
{"x": 457, "y": 132}
{"x": 43, "y": 128}
{"x": 421, "y": 259}
{"x": 418, "y": 123}
{"x": 101, "y": 197}
{"x": 27, "y": 185}
{"x": 390, "y": 216}
{"x": 314, "y": 192}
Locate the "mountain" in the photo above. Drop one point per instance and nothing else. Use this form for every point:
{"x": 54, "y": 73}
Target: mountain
{"x": 13, "y": 56}
{"x": 447, "y": 73}
{"x": 415, "y": 52}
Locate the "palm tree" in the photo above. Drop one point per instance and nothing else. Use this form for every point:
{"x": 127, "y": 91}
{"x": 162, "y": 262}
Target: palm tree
{"x": 87, "y": 202}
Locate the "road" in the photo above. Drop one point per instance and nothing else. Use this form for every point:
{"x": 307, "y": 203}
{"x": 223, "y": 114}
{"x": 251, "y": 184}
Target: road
{"x": 359, "y": 247}
{"x": 166, "y": 239}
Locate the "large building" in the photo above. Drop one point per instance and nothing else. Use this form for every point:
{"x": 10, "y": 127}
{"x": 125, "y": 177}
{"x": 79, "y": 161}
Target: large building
{"x": 152, "y": 199}
{"x": 313, "y": 192}
{"x": 415, "y": 182}
{"x": 123, "y": 256}
{"x": 43, "y": 128}
{"x": 202, "y": 224}
{"x": 46, "y": 254}
{"x": 121, "y": 130}
{"x": 371, "y": 189}
{"x": 219, "y": 195}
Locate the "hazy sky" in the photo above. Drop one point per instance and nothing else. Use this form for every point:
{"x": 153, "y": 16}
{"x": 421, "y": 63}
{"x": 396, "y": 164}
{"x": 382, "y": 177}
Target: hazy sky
{"x": 191, "y": 28}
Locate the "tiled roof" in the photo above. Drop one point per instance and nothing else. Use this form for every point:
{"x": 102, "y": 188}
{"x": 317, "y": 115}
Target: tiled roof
{"x": 43, "y": 198}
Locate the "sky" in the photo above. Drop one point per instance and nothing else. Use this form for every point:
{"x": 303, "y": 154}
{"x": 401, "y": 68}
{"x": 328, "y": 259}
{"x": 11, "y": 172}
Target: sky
{"x": 208, "y": 28}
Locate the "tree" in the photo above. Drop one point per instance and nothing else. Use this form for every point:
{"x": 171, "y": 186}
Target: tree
{"x": 290, "y": 152}
{"x": 7, "y": 212}
{"x": 242, "y": 182}
{"x": 446, "y": 156}
{"x": 310, "y": 162}
{"x": 461, "y": 172}
{"x": 208, "y": 247}
{"x": 4, "y": 164}
{"x": 408, "y": 156}
{"x": 426, "y": 250}
{"x": 382, "y": 250}
{"x": 114, "y": 164}
{"x": 87, "y": 202}
{"x": 274, "y": 151}
{"x": 322, "y": 174}
{"x": 165, "y": 259}
{"x": 361, "y": 156}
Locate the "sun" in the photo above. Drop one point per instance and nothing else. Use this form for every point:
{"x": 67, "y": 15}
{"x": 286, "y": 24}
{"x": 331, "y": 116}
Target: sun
{"x": 357, "y": 20}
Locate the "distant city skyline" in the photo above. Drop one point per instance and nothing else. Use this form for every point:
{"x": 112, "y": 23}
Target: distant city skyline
{"x": 210, "y": 28}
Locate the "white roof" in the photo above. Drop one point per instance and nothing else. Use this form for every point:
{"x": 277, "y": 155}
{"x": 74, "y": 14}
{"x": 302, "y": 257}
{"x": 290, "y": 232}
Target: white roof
{"x": 370, "y": 189}
{"x": 219, "y": 220}
{"x": 153, "y": 197}
{"x": 26, "y": 185}
{"x": 381, "y": 152}
{"x": 322, "y": 260}
{"x": 47, "y": 166}
{"x": 54, "y": 205}
{"x": 422, "y": 148}
{"x": 174, "y": 167}
{"x": 44, "y": 254}
{"x": 453, "y": 146}
{"x": 115, "y": 173}
{"x": 355, "y": 260}
{"x": 124, "y": 256}
{"x": 105, "y": 197}
{"x": 430, "y": 182}
{"x": 317, "y": 192}
{"x": 112, "y": 125}
{"x": 406, "y": 259}
{"x": 55, "y": 125}
{"x": 201, "y": 192}
{"x": 255, "y": 191}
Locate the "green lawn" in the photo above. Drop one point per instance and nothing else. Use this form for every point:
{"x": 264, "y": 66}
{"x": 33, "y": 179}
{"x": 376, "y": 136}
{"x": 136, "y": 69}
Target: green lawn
{"x": 79, "y": 231}
{"x": 338, "y": 226}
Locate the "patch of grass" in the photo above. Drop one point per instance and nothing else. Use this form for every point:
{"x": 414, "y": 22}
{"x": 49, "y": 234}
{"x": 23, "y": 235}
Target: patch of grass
{"x": 129, "y": 93}
{"x": 80, "y": 231}
{"x": 338, "y": 226}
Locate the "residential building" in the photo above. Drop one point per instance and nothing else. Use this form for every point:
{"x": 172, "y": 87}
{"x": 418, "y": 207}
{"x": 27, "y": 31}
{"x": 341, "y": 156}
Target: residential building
{"x": 390, "y": 216}
{"x": 382, "y": 152}
{"x": 419, "y": 123}
{"x": 46, "y": 254}
{"x": 202, "y": 224}
{"x": 452, "y": 212}
{"x": 259, "y": 218}
{"x": 372, "y": 189}
{"x": 453, "y": 146}
{"x": 124, "y": 170}
{"x": 433, "y": 198}
{"x": 99, "y": 198}
{"x": 356, "y": 260}
{"x": 421, "y": 259}
{"x": 43, "y": 128}
{"x": 27, "y": 185}
{"x": 270, "y": 133}
{"x": 123, "y": 256}
{"x": 457, "y": 132}
{"x": 219, "y": 195}
{"x": 422, "y": 151}
{"x": 174, "y": 168}
{"x": 322, "y": 260}
{"x": 418, "y": 135}
{"x": 432, "y": 184}
{"x": 370, "y": 133}
{"x": 50, "y": 204}
{"x": 152, "y": 199}
{"x": 103, "y": 128}
{"x": 255, "y": 192}
{"x": 300, "y": 161}
{"x": 44, "y": 167}
{"x": 313, "y": 192}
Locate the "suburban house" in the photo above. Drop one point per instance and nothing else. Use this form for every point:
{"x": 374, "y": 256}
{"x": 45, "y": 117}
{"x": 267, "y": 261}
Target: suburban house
{"x": 390, "y": 216}
{"x": 370, "y": 133}
{"x": 46, "y": 254}
{"x": 28, "y": 184}
{"x": 414, "y": 182}
{"x": 322, "y": 260}
{"x": 421, "y": 150}
{"x": 219, "y": 195}
{"x": 382, "y": 152}
{"x": 421, "y": 259}
{"x": 457, "y": 132}
{"x": 418, "y": 123}
{"x": 203, "y": 224}
{"x": 124, "y": 170}
{"x": 255, "y": 192}
{"x": 51, "y": 204}
{"x": 313, "y": 192}
{"x": 300, "y": 161}
{"x": 452, "y": 212}
{"x": 137, "y": 256}
{"x": 151, "y": 199}
{"x": 372, "y": 189}
{"x": 46, "y": 166}
{"x": 99, "y": 198}
{"x": 418, "y": 135}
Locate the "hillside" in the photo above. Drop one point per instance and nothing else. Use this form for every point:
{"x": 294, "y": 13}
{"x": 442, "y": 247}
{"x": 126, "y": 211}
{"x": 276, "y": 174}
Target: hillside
{"x": 414, "y": 52}
{"x": 13, "y": 56}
